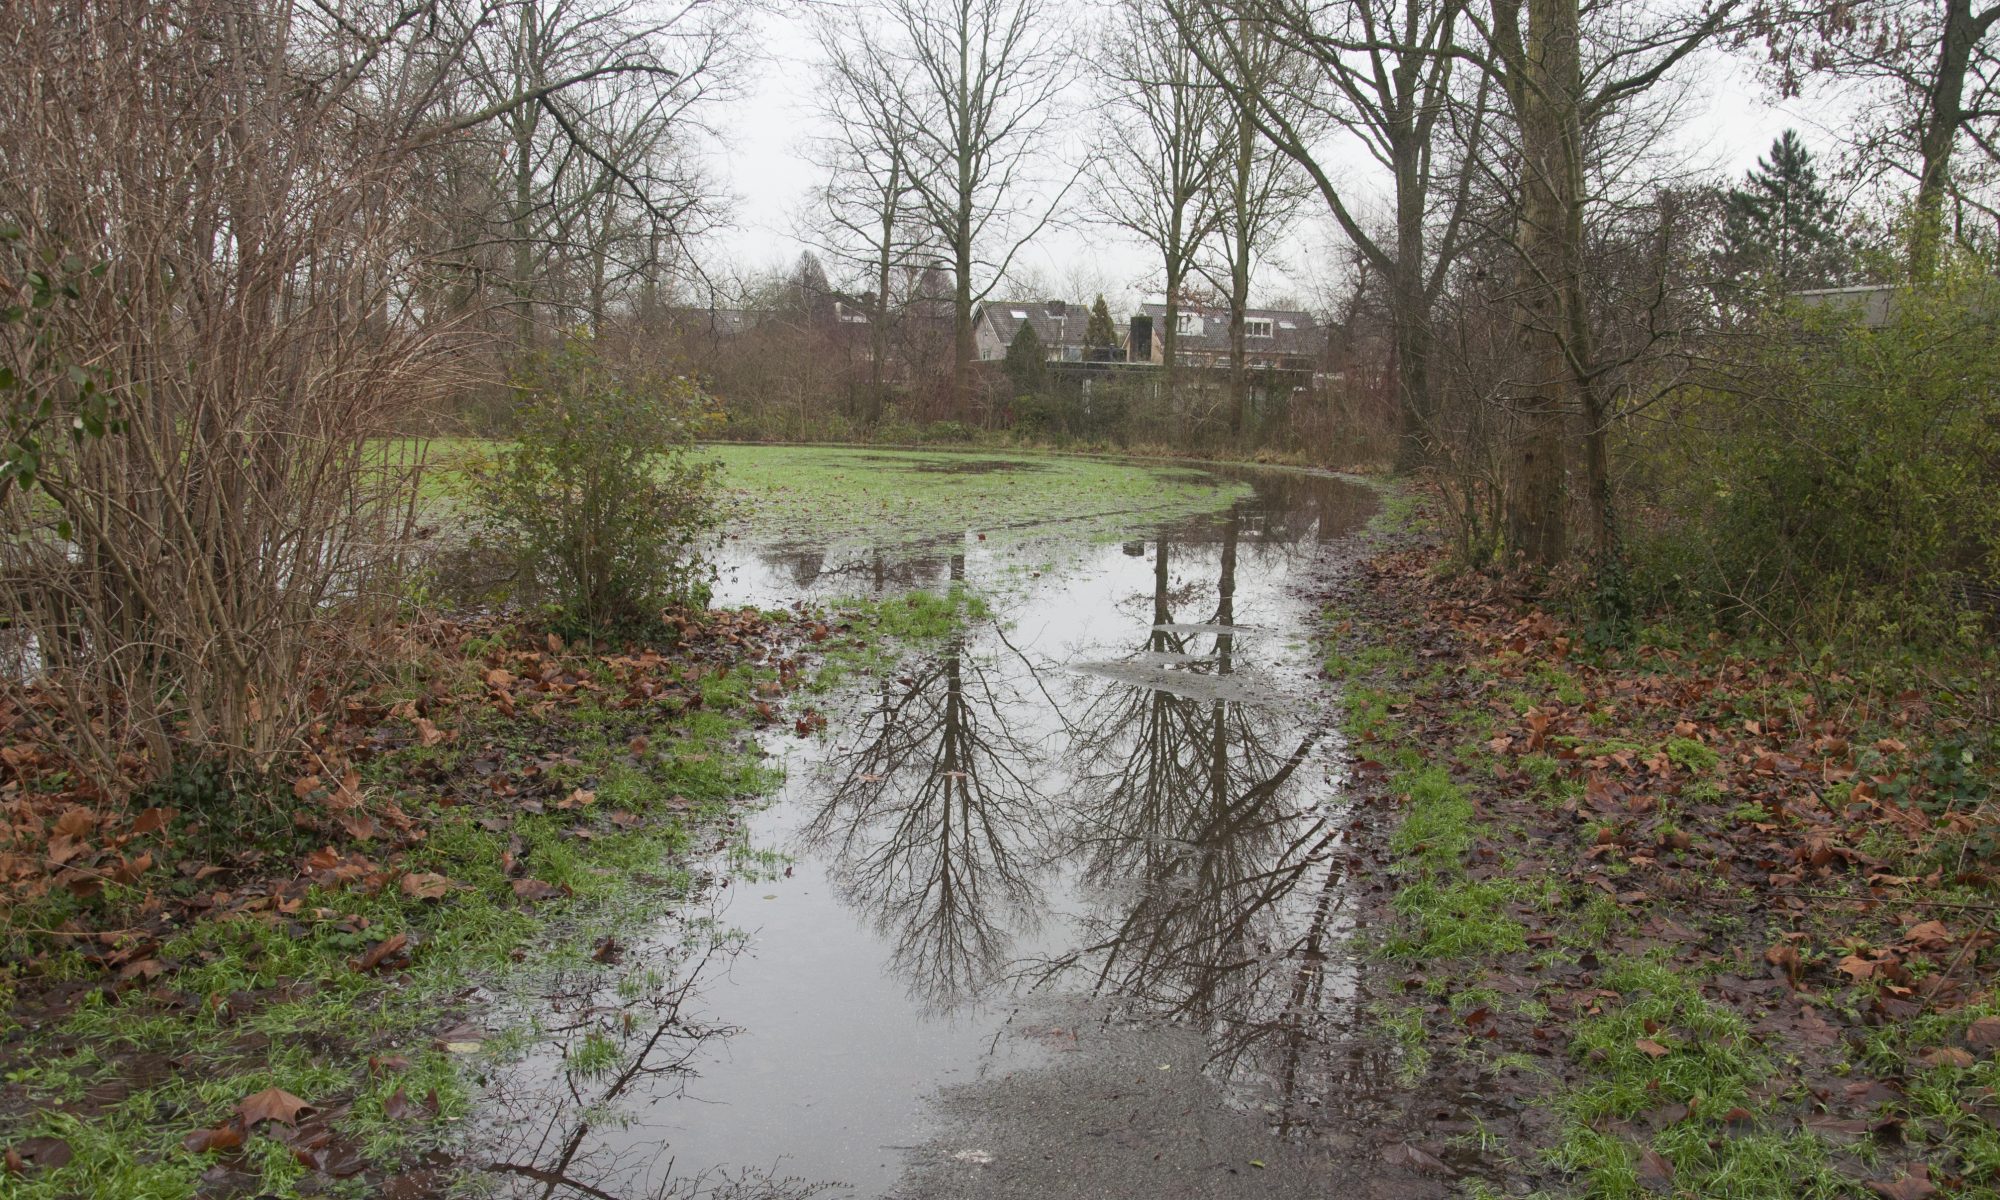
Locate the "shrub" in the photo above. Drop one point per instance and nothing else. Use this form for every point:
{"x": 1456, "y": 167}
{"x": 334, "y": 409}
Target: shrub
{"x": 600, "y": 497}
{"x": 1846, "y": 486}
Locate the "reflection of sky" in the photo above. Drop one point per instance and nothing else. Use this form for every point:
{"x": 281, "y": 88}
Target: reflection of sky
{"x": 989, "y": 814}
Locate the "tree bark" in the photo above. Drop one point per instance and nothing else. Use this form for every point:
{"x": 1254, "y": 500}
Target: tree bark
{"x": 1547, "y": 97}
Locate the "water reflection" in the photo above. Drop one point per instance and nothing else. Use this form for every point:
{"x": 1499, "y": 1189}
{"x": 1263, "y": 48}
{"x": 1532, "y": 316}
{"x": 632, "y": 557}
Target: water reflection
{"x": 1123, "y": 785}
{"x": 1181, "y": 829}
{"x": 929, "y": 817}
{"x": 563, "y": 1121}
{"x": 1212, "y": 869}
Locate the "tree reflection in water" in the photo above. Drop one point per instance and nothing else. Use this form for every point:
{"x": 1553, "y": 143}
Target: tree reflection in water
{"x": 1209, "y": 870}
{"x": 1214, "y": 874}
{"x": 559, "y": 1123}
{"x": 929, "y": 819}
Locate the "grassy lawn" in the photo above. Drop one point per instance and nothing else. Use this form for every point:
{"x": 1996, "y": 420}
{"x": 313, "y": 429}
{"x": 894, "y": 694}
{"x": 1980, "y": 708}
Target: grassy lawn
{"x": 784, "y": 493}
{"x": 890, "y": 497}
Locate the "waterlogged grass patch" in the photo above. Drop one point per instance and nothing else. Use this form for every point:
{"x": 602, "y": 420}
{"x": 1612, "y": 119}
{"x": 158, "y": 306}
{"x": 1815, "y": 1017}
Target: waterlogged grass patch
{"x": 576, "y": 827}
{"x": 1455, "y": 919}
{"x": 891, "y": 497}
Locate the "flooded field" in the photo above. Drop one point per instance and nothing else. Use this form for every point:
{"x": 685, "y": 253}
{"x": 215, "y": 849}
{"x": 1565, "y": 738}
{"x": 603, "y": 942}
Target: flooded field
{"x": 1068, "y": 886}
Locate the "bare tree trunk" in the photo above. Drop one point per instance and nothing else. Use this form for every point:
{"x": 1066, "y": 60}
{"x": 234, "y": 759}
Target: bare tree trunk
{"x": 1944, "y": 116}
{"x": 1239, "y": 272}
{"x": 1547, "y": 98}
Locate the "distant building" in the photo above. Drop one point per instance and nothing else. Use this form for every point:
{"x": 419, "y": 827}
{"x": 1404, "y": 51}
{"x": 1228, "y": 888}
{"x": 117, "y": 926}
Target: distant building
{"x": 1059, "y": 324}
{"x": 1275, "y": 338}
{"x": 1871, "y": 302}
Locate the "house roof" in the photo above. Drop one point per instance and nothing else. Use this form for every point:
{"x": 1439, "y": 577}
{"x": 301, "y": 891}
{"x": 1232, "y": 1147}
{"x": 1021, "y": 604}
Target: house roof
{"x": 1292, "y": 332}
{"x": 1056, "y": 322}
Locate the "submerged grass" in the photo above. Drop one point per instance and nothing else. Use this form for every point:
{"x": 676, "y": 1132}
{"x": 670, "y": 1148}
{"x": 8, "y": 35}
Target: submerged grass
{"x": 887, "y": 497}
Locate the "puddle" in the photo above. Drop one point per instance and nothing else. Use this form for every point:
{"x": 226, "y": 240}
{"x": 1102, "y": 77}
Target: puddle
{"x": 1123, "y": 793}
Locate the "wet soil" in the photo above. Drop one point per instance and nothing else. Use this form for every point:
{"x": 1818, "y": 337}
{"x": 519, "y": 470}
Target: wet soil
{"x": 1059, "y": 907}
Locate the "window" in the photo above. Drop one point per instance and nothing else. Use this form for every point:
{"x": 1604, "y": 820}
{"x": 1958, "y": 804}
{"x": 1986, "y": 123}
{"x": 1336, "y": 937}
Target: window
{"x": 1256, "y": 327}
{"x": 1188, "y": 322}
{"x": 1288, "y": 324}
{"x": 1020, "y": 314}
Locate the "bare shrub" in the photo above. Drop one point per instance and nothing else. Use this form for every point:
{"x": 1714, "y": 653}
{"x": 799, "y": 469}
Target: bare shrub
{"x": 201, "y": 511}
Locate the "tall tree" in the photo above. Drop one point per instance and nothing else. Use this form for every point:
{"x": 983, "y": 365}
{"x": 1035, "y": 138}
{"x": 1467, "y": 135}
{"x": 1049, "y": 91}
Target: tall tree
{"x": 1537, "y": 58}
{"x": 1938, "y": 61}
{"x": 590, "y": 99}
{"x": 1026, "y": 362}
{"x": 1383, "y": 70}
{"x": 1100, "y": 333}
{"x": 979, "y": 85}
{"x": 1159, "y": 153}
{"x": 1258, "y": 187}
{"x": 867, "y": 216}
{"x": 1780, "y": 227}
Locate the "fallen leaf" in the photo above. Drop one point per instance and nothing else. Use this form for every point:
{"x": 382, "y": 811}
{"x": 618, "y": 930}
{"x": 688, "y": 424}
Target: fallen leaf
{"x": 425, "y": 886}
{"x": 1402, "y": 1154}
{"x": 1916, "y": 1185}
{"x": 226, "y": 1136}
{"x": 47, "y": 1153}
{"x": 1931, "y": 935}
{"x": 1983, "y": 1034}
{"x": 271, "y": 1104}
{"x": 1651, "y": 1048}
{"x": 461, "y": 1039}
{"x": 535, "y": 889}
{"x": 1655, "y": 1171}
{"x": 399, "y": 1107}
{"x": 380, "y": 953}
{"x": 1946, "y": 1056}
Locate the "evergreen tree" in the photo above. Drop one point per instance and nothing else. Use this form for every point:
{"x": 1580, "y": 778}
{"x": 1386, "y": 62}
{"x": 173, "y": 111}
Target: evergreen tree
{"x": 1026, "y": 363}
{"x": 1780, "y": 228}
{"x": 1100, "y": 333}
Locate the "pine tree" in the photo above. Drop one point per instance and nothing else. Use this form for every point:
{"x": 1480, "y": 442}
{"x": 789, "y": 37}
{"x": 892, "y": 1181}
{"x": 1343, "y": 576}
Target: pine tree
{"x": 1780, "y": 228}
{"x": 1100, "y": 333}
{"x": 1026, "y": 363}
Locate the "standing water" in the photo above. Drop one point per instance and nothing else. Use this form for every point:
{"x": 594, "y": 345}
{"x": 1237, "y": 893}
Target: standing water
{"x": 1099, "y": 829}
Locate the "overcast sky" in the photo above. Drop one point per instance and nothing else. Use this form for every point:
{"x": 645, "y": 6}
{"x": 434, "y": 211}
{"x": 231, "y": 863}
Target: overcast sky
{"x": 1730, "y": 120}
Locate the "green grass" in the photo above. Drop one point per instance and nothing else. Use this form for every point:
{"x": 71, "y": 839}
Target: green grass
{"x": 1712, "y": 1067}
{"x": 315, "y": 1042}
{"x": 888, "y": 497}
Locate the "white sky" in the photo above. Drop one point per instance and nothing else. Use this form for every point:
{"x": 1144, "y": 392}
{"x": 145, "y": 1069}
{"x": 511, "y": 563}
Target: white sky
{"x": 1731, "y": 120}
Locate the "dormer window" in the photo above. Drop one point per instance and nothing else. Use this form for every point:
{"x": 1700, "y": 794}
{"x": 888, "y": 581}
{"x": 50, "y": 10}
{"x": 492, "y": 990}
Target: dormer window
{"x": 1188, "y": 322}
{"x": 1259, "y": 327}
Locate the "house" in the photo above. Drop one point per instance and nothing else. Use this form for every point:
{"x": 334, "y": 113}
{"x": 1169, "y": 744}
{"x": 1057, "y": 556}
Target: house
{"x": 1059, "y": 324}
{"x": 1273, "y": 338}
{"x": 1872, "y": 303}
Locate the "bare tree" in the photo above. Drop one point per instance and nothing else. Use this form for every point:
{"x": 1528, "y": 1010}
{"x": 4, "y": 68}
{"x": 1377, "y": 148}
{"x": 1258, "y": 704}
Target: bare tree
{"x": 867, "y": 210}
{"x": 981, "y": 80}
{"x": 236, "y": 292}
{"x": 1159, "y": 152}
{"x": 1258, "y": 187}
{"x": 1385, "y": 73}
{"x": 574, "y": 156}
{"x": 1935, "y": 64}
{"x": 1538, "y": 59}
